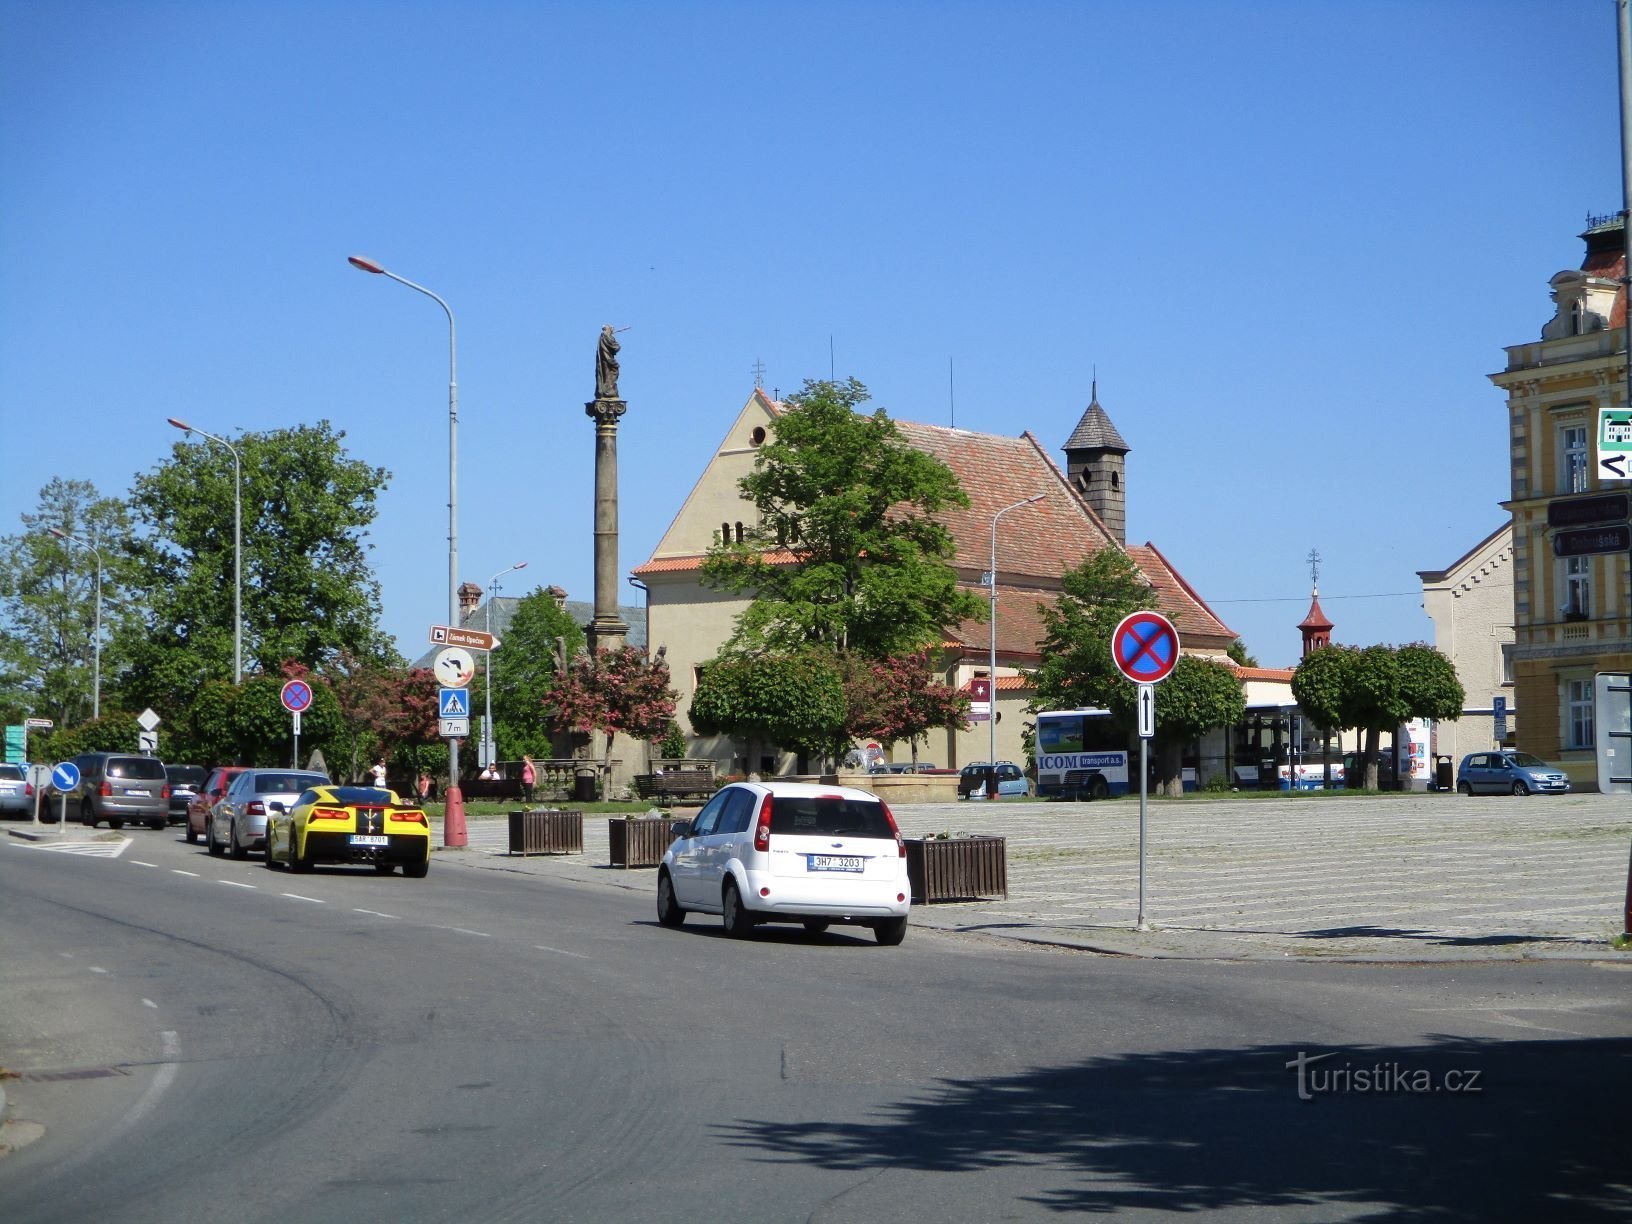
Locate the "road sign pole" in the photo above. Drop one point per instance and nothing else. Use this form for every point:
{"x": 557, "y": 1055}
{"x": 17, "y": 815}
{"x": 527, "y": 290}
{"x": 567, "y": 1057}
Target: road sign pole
{"x": 1144, "y": 786}
{"x": 295, "y": 721}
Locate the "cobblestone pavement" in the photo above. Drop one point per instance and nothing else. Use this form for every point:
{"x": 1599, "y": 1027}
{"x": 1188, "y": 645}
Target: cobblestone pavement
{"x": 1392, "y": 877}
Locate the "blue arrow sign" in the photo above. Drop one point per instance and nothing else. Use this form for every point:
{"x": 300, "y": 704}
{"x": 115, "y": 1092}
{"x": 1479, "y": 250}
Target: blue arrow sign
{"x": 453, "y": 703}
{"x": 65, "y": 776}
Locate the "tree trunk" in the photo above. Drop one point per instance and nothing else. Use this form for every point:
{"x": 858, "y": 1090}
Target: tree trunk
{"x": 1170, "y": 769}
{"x": 1373, "y": 736}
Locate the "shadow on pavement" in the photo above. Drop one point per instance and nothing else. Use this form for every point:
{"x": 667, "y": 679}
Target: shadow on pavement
{"x": 1538, "y": 1134}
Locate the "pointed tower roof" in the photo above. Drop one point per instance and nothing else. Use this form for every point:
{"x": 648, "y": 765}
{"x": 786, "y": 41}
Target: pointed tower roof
{"x": 1095, "y": 431}
{"x": 1316, "y": 618}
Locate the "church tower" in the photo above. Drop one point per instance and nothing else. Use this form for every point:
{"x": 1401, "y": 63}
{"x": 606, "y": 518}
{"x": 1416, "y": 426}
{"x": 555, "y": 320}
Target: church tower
{"x": 1316, "y": 629}
{"x": 1096, "y": 465}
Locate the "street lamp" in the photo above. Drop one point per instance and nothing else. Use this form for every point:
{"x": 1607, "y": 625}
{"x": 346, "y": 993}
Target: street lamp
{"x": 453, "y": 827}
{"x": 237, "y": 545}
{"x": 96, "y": 692}
{"x": 991, "y": 703}
{"x": 487, "y": 711}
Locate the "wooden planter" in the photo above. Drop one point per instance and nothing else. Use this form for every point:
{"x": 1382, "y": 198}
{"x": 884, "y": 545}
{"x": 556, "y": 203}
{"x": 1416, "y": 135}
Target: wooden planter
{"x": 546, "y": 831}
{"x": 957, "y": 869}
{"x": 637, "y": 841}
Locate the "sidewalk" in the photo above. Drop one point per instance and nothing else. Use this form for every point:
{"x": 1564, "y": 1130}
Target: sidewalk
{"x": 1424, "y": 877}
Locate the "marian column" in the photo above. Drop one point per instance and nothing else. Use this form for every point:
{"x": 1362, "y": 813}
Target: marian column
{"x": 606, "y": 631}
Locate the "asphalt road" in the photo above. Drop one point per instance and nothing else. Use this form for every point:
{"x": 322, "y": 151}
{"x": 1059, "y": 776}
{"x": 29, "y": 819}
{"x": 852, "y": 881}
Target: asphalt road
{"x": 204, "y": 1039}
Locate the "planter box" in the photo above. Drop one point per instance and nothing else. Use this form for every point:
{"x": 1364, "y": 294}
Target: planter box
{"x": 957, "y": 869}
{"x": 546, "y": 831}
{"x": 637, "y": 841}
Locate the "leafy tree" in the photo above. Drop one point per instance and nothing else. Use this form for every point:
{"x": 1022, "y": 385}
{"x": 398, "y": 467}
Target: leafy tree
{"x": 1198, "y": 695}
{"x": 1237, "y": 650}
{"x": 1077, "y": 668}
{"x": 48, "y": 603}
{"x": 847, "y": 553}
{"x": 794, "y": 701}
{"x": 526, "y": 665}
{"x": 263, "y": 732}
{"x": 613, "y": 691}
{"x": 1429, "y": 684}
{"x": 383, "y": 708}
{"x": 308, "y": 593}
{"x": 900, "y": 699}
{"x": 672, "y": 747}
{"x": 116, "y": 732}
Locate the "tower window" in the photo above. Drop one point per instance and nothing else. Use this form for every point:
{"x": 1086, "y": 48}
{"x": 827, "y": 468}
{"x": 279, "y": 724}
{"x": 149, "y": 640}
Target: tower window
{"x": 1116, "y": 482}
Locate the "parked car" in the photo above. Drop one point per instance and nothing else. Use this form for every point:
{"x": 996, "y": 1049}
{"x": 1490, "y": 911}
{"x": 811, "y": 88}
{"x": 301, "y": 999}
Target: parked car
{"x": 116, "y": 787}
{"x": 211, "y": 793}
{"x": 349, "y": 824}
{"x": 788, "y": 852}
{"x": 1011, "y": 780}
{"x": 237, "y": 824}
{"x": 185, "y": 781}
{"x": 15, "y": 797}
{"x": 1509, "y": 771}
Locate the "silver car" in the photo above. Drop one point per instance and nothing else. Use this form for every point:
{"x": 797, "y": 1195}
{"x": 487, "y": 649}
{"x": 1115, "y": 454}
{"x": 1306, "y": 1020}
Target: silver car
{"x": 14, "y": 797}
{"x": 237, "y": 824}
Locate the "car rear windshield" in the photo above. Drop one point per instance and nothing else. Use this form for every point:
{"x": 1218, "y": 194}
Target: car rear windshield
{"x": 829, "y": 815}
{"x": 12, "y": 773}
{"x": 186, "y": 775}
{"x": 146, "y": 769}
{"x": 285, "y": 783}
{"x": 365, "y": 796}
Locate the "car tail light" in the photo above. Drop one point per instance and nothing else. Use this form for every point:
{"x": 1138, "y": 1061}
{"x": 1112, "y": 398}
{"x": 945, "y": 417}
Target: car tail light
{"x": 328, "y": 814}
{"x": 164, "y": 792}
{"x": 900, "y": 846}
{"x": 28, "y": 790}
{"x": 411, "y": 817}
{"x": 254, "y": 808}
{"x": 106, "y": 789}
{"x": 762, "y": 830}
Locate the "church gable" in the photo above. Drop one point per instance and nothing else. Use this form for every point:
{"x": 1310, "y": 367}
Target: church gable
{"x": 715, "y": 503}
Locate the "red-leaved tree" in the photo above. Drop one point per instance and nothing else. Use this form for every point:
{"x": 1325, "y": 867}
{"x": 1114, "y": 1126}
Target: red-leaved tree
{"x": 614, "y": 691}
{"x": 900, "y": 699}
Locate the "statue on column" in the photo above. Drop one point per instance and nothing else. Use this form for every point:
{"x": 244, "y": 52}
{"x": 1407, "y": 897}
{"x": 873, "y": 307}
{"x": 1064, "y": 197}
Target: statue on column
{"x": 606, "y": 365}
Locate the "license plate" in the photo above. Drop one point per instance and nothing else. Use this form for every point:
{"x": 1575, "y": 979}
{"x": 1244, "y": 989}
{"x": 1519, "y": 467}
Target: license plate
{"x": 138, "y": 790}
{"x": 365, "y": 839}
{"x": 833, "y": 862}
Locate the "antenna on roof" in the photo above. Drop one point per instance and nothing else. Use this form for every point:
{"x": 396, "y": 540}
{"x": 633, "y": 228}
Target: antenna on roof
{"x": 831, "y": 376}
{"x": 951, "y": 393}
{"x": 759, "y": 374}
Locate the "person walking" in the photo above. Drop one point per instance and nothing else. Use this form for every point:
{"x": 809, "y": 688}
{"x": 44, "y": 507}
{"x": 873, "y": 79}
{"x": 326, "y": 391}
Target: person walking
{"x": 528, "y": 776}
{"x": 377, "y": 772}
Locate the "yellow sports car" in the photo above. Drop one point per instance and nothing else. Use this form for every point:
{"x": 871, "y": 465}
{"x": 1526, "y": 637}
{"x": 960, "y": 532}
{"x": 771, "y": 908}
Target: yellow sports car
{"x": 350, "y": 824}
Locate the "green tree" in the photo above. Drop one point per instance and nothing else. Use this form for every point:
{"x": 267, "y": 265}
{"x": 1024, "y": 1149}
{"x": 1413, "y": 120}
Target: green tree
{"x": 1198, "y": 695}
{"x": 48, "y": 603}
{"x": 1375, "y": 689}
{"x": 535, "y": 645}
{"x": 1237, "y": 650}
{"x": 263, "y": 731}
{"x": 795, "y": 701}
{"x": 847, "y": 553}
{"x": 309, "y": 593}
{"x": 1429, "y": 684}
{"x": 614, "y": 692}
{"x": 1077, "y": 668}
{"x": 900, "y": 699}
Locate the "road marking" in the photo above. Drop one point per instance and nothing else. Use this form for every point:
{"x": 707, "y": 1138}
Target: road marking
{"x": 298, "y": 897}
{"x": 68, "y": 955}
{"x": 376, "y": 913}
{"x": 139, "y": 863}
{"x": 149, "y": 1003}
{"x": 162, "y": 1079}
{"x": 235, "y": 884}
{"x": 462, "y": 931}
{"x": 97, "y": 969}
{"x": 88, "y": 849}
{"x": 560, "y": 951}
{"x": 179, "y": 871}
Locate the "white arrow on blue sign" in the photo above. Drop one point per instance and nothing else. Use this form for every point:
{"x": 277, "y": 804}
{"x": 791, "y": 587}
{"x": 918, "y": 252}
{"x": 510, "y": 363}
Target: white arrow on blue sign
{"x": 65, "y": 776}
{"x": 453, "y": 703}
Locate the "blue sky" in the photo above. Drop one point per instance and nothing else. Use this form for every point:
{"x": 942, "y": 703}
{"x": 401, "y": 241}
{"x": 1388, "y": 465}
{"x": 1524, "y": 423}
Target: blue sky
{"x": 1293, "y": 239}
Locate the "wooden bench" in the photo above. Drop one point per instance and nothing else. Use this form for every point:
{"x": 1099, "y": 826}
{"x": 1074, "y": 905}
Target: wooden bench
{"x": 499, "y": 788}
{"x": 665, "y": 788}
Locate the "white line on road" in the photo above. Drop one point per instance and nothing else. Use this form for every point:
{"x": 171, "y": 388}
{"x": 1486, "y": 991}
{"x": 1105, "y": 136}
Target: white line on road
{"x": 150, "y": 1003}
{"x": 97, "y": 969}
{"x": 139, "y": 863}
{"x": 376, "y": 913}
{"x": 298, "y": 897}
{"x": 179, "y": 871}
{"x": 235, "y": 884}
{"x": 463, "y": 931}
{"x": 560, "y": 951}
{"x": 162, "y": 1080}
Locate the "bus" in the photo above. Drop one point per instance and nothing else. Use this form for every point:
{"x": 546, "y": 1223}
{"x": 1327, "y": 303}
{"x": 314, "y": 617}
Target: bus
{"x": 1080, "y": 755}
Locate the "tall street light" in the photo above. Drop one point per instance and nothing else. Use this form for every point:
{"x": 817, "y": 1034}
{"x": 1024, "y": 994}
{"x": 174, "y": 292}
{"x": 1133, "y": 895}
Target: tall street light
{"x": 487, "y": 712}
{"x": 96, "y": 697}
{"x": 453, "y": 821}
{"x": 237, "y": 545}
{"x": 991, "y": 704}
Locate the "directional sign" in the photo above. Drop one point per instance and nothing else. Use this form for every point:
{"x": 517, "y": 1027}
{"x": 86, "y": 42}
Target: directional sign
{"x": 1147, "y": 711}
{"x": 1145, "y": 646}
{"x": 455, "y": 667}
{"x": 980, "y": 699}
{"x": 470, "y": 639}
{"x": 1586, "y": 511}
{"x": 453, "y": 703}
{"x": 1614, "y": 444}
{"x": 147, "y": 741}
{"x": 1584, "y": 541}
{"x": 453, "y": 728}
{"x": 65, "y": 776}
{"x": 38, "y": 724}
{"x": 297, "y": 696}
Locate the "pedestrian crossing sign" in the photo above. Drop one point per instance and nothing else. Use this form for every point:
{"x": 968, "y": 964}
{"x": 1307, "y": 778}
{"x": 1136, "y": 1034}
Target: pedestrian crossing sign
{"x": 453, "y": 703}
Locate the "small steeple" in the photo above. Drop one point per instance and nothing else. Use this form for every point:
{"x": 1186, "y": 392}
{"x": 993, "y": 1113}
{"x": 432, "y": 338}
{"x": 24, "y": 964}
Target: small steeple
{"x": 1096, "y": 465}
{"x": 1316, "y": 629}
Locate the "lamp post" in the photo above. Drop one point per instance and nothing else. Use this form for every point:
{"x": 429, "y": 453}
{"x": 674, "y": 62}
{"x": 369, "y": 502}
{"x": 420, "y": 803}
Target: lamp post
{"x": 237, "y": 545}
{"x": 991, "y": 712}
{"x": 487, "y": 668}
{"x": 453, "y": 824}
{"x": 96, "y": 690}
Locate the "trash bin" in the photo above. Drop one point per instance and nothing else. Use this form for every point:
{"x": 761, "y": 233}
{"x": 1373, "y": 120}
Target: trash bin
{"x": 1444, "y": 773}
{"x": 583, "y": 785}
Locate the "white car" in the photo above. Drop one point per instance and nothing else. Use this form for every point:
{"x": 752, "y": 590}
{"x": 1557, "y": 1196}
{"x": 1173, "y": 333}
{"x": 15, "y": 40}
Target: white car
{"x": 789, "y": 852}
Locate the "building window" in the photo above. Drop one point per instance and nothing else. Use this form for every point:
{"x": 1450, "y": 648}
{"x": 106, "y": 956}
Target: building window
{"x": 1577, "y": 605}
{"x": 1507, "y": 663}
{"x": 1578, "y": 714}
{"x": 1573, "y": 459}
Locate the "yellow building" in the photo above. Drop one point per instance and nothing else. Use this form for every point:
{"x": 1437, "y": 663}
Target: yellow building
{"x": 1570, "y": 614}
